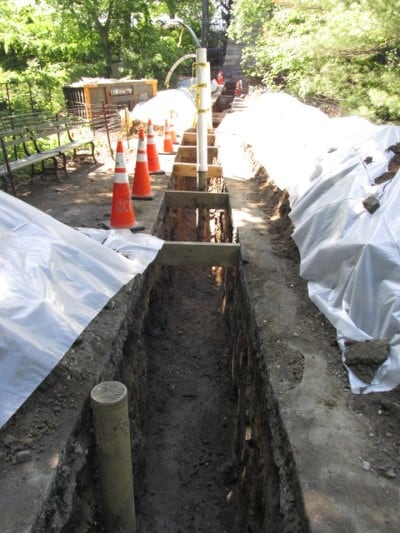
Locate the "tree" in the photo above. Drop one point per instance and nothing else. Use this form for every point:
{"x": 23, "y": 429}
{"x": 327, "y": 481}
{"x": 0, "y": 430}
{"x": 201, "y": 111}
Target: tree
{"x": 62, "y": 41}
{"x": 101, "y": 27}
{"x": 28, "y": 57}
{"x": 95, "y": 37}
{"x": 342, "y": 52}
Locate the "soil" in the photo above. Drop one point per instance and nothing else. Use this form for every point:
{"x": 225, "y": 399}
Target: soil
{"x": 191, "y": 479}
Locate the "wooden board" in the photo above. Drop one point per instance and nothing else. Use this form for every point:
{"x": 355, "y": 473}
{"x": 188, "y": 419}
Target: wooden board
{"x": 188, "y": 154}
{"x": 190, "y": 170}
{"x": 190, "y": 137}
{"x": 196, "y": 199}
{"x": 199, "y": 253}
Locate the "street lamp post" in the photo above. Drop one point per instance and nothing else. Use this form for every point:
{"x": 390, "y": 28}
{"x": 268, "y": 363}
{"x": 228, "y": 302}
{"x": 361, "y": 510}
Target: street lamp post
{"x": 204, "y": 103}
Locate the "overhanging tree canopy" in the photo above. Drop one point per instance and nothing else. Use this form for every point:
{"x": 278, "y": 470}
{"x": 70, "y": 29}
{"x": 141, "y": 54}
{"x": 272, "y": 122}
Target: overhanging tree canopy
{"x": 344, "y": 52}
{"x": 64, "y": 40}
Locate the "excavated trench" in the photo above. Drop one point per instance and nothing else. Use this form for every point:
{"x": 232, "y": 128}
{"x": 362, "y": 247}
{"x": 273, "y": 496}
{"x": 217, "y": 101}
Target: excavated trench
{"x": 215, "y": 455}
{"x": 198, "y": 348}
{"x": 209, "y": 450}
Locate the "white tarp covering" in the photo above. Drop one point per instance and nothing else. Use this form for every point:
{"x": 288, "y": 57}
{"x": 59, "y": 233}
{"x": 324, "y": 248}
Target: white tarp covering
{"x": 158, "y": 108}
{"x": 350, "y": 257}
{"x": 53, "y": 281}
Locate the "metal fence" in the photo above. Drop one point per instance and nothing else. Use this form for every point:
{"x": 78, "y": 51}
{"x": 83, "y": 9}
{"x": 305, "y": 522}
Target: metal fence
{"x": 25, "y": 97}
{"x": 112, "y": 121}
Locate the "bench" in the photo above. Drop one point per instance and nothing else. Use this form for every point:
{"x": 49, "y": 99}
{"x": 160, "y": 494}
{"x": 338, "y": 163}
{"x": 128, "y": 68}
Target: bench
{"x": 33, "y": 144}
{"x": 8, "y": 122}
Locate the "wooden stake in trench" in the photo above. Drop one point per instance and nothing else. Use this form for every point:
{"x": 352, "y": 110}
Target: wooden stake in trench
{"x": 109, "y": 402}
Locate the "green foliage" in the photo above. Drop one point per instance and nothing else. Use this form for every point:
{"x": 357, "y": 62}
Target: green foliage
{"x": 45, "y": 44}
{"x": 343, "y": 52}
{"x": 248, "y": 19}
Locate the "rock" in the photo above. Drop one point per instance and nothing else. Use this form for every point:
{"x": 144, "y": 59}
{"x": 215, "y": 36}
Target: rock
{"x": 22, "y": 457}
{"x": 390, "y": 473}
{"x": 366, "y": 465}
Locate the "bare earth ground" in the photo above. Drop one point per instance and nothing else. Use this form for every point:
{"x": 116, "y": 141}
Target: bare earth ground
{"x": 84, "y": 200}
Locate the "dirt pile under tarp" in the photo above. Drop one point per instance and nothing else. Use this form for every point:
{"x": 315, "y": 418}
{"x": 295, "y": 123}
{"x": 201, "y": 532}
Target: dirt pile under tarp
{"x": 344, "y": 215}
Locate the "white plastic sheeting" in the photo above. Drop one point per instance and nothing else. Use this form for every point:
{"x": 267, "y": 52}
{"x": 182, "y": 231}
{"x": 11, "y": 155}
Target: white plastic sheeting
{"x": 53, "y": 281}
{"x": 179, "y": 101}
{"x": 350, "y": 257}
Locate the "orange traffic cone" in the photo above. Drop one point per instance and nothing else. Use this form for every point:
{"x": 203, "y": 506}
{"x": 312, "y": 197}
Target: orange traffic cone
{"x": 238, "y": 88}
{"x": 152, "y": 154}
{"x": 168, "y": 148}
{"x": 174, "y": 140}
{"x": 141, "y": 187}
{"x": 122, "y": 212}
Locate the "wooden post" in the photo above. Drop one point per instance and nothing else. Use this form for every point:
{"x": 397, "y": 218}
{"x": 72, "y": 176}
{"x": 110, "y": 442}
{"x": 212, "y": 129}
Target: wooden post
{"x": 111, "y": 421}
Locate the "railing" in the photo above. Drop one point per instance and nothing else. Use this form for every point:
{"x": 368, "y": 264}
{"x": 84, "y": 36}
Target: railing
{"x": 112, "y": 120}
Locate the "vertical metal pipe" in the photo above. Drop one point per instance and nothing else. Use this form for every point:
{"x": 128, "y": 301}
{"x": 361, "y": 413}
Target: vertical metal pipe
{"x": 202, "y": 75}
{"x": 10, "y": 109}
{"x": 204, "y": 23}
{"x": 109, "y": 402}
{"x": 107, "y": 130}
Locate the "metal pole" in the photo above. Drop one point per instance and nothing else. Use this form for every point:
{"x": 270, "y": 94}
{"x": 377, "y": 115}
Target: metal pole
{"x": 9, "y": 100}
{"x": 204, "y": 105}
{"x": 107, "y": 130}
{"x": 204, "y": 23}
{"x": 202, "y": 76}
{"x": 109, "y": 402}
{"x": 189, "y": 29}
{"x": 177, "y": 62}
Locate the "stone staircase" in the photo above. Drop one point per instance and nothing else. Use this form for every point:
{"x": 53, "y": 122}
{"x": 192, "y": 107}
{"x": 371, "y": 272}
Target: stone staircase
{"x": 232, "y": 72}
{"x": 232, "y": 69}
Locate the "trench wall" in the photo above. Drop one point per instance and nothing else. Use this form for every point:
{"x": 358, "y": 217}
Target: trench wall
{"x": 270, "y": 498}
{"x": 114, "y": 342}
{"x": 270, "y": 494}
{"x": 73, "y": 497}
